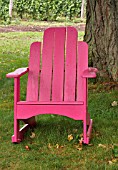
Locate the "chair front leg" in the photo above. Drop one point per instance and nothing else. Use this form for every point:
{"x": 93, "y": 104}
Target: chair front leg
{"x": 15, "y": 138}
{"x": 85, "y": 131}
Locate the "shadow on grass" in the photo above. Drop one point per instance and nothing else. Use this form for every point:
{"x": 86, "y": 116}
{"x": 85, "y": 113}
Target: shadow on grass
{"x": 55, "y": 129}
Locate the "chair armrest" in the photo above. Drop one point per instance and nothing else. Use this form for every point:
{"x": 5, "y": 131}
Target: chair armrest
{"x": 17, "y": 73}
{"x": 90, "y": 72}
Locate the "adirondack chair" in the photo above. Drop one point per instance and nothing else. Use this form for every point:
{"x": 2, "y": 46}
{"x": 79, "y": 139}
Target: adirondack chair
{"x": 58, "y": 85}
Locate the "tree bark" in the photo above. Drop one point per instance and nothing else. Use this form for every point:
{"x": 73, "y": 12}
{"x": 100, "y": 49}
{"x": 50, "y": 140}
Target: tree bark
{"x": 101, "y": 33}
{"x": 10, "y": 7}
{"x": 82, "y": 10}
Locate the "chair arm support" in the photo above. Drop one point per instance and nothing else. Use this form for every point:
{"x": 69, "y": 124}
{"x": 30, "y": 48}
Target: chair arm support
{"x": 90, "y": 72}
{"x": 17, "y": 73}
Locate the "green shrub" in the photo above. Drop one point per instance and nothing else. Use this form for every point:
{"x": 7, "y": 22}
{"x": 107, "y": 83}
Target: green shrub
{"x": 43, "y": 9}
{"x": 4, "y": 9}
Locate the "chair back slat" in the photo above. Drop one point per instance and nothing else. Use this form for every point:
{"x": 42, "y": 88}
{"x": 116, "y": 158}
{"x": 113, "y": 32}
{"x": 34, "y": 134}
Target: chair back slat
{"x": 33, "y": 76}
{"x": 46, "y": 71}
{"x": 70, "y": 65}
{"x": 63, "y": 62}
{"x": 82, "y": 64}
{"x": 58, "y": 64}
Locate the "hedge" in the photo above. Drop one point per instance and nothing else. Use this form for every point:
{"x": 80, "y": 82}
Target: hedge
{"x": 42, "y": 9}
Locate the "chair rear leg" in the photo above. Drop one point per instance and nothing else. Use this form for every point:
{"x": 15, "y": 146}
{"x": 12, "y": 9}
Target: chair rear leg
{"x": 88, "y": 119}
{"x": 87, "y": 129}
{"x": 31, "y": 121}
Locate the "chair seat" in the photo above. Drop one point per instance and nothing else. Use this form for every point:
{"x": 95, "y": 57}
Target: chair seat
{"x": 50, "y": 103}
{"x": 74, "y": 110}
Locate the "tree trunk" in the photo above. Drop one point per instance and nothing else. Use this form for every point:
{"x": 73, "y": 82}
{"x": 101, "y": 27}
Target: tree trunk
{"x": 101, "y": 33}
{"x": 10, "y": 7}
{"x": 82, "y": 10}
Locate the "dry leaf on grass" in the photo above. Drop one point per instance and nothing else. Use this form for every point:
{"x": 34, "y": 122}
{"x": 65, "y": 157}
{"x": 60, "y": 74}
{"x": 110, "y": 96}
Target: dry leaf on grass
{"x": 32, "y": 135}
{"x": 90, "y": 144}
{"x": 101, "y": 145}
{"x": 27, "y": 147}
{"x": 97, "y": 134}
{"x": 49, "y": 146}
{"x": 75, "y": 130}
{"x": 114, "y": 160}
{"x": 70, "y": 137}
{"x": 80, "y": 142}
{"x": 81, "y": 135}
{"x": 80, "y": 148}
{"x": 59, "y": 146}
{"x": 110, "y": 162}
{"x": 114, "y": 103}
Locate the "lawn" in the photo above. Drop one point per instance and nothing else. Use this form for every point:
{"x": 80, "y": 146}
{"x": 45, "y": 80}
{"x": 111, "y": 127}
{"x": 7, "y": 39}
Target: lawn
{"x": 50, "y": 148}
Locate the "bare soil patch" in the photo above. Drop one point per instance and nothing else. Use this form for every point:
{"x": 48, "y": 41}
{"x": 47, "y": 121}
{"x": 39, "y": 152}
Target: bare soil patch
{"x": 16, "y": 28}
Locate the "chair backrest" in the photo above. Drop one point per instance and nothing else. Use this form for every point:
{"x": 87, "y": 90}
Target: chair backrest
{"x": 62, "y": 63}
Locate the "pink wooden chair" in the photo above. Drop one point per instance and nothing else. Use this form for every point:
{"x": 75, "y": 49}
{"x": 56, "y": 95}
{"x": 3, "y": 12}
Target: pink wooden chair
{"x": 58, "y": 85}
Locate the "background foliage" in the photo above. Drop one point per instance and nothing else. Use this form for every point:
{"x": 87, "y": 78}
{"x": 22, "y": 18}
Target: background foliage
{"x": 4, "y": 9}
{"x": 42, "y": 9}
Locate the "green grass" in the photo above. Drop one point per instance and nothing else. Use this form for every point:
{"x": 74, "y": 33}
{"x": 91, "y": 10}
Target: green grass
{"x": 60, "y": 22}
{"x": 52, "y": 130}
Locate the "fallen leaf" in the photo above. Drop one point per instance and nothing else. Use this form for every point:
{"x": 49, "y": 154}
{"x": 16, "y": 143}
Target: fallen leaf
{"x": 114, "y": 160}
{"x": 80, "y": 148}
{"x": 80, "y": 142}
{"x": 27, "y": 147}
{"x": 90, "y": 144}
{"x": 61, "y": 146}
{"x": 101, "y": 145}
{"x": 57, "y": 146}
{"x": 110, "y": 162}
{"x": 32, "y": 135}
{"x": 114, "y": 103}
{"x": 81, "y": 135}
{"x": 70, "y": 137}
{"x": 75, "y": 130}
{"x": 49, "y": 146}
{"x": 97, "y": 134}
